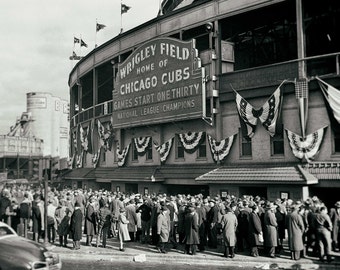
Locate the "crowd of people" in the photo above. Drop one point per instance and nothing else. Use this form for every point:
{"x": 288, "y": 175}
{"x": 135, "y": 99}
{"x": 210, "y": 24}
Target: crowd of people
{"x": 166, "y": 221}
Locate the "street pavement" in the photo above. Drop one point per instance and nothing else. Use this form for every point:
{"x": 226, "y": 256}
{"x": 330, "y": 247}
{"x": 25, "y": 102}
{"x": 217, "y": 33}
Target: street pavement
{"x": 139, "y": 253}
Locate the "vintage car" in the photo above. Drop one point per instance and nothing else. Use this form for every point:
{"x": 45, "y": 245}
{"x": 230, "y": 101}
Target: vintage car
{"x": 18, "y": 253}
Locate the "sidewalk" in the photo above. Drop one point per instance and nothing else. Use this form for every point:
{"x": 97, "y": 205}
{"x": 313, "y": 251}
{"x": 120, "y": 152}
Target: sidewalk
{"x": 137, "y": 252}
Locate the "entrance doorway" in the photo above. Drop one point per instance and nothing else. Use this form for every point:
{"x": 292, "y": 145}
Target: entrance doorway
{"x": 188, "y": 189}
{"x": 327, "y": 195}
{"x": 131, "y": 188}
{"x": 254, "y": 191}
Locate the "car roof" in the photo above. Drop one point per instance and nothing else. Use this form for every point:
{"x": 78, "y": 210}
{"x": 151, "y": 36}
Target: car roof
{"x": 2, "y": 224}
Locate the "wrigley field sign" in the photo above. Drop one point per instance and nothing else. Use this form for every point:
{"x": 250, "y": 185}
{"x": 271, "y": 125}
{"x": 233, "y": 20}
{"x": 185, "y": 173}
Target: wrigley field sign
{"x": 160, "y": 81}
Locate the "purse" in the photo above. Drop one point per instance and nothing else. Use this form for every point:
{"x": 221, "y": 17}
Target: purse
{"x": 261, "y": 237}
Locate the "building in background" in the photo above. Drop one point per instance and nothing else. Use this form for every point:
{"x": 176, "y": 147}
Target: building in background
{"x": 39, "y": 139}
{"x": 223, "y": 97}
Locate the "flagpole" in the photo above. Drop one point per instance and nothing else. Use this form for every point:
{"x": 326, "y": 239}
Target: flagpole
{"x": 95, "y": 35}
{"x": 121, "y": 17}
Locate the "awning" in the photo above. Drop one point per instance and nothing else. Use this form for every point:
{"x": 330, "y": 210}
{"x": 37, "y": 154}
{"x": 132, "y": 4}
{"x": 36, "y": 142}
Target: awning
{"x": 258, "y": 174}
{"x": 323, "y": 170}
{"x": 78, "y": 174}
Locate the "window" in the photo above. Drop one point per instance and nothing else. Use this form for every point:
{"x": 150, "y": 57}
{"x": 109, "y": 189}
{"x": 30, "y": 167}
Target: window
{"x": 246, "y": 150}
{"x": 179, "y": 149}
{"x": 134, "y": 152}
{"x": 202, "y": 150}
{"x": 149, "y": 151}
{"x": 336, "y": 136}
{"x": 277, "y": 145}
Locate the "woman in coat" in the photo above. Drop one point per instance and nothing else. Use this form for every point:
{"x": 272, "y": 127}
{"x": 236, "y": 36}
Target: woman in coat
{"x": 75, "y": 226}
{"x": 163, "y": 228}
{"x": 191, "y": 231}
{"x": 37, "y": 217}
{"x": 63, "y": 226}
{"x": 90, "y": 228}
{"x": 123, "y": 232}
{"x": 254, "y": 230}
{"x": 270, "y": 229}
{"x": 296, "y": 229}
{"x": 229, "y": 227}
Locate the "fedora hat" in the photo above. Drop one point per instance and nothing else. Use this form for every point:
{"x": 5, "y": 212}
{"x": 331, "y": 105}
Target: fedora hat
{"x": 270, "y": 206}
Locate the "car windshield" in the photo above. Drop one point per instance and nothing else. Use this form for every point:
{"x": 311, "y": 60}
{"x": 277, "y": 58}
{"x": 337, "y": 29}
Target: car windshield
{"x": 5, "y": 231}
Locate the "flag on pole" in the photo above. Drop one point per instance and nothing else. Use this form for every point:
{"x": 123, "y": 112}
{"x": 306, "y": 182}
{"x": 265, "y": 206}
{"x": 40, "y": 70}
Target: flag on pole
{"x": 82, "y": 43}
{"x": 76, "y": 40}
{"x": 100, "y": 26}
{"x": 301, "y": 92}
{"x": 124, "y": 8}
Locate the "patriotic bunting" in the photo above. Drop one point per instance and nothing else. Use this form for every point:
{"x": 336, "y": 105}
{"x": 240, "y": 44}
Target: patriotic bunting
{"x": 95, "y": 158}
{"x": 191, "y": 140}
{"x": 141, "y": 144}
{"x": 301, "y": 92}
{"x": 269, "y": 114}
{"x": 106, "y": 135}
{"x": 332, "y": 96}
{"x": 164, "y": 149}
{"x": 122, "y": 155}
{"x": 306, "y": 147}
{"x": 220, "y": 150}
{"x": 89, "y": 137}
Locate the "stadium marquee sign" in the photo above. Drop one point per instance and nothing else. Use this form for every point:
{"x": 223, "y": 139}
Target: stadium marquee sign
{"x": 161, "y": 81}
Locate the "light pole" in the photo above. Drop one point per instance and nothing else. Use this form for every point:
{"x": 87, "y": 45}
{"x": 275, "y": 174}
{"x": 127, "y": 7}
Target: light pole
{"x": 46, "y": 159}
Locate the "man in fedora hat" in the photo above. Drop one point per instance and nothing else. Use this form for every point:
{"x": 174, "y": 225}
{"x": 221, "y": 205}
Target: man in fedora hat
{"x": 334, "y": 214}
{"x": 163, "y": 228}
{"x": 270, "y": 229}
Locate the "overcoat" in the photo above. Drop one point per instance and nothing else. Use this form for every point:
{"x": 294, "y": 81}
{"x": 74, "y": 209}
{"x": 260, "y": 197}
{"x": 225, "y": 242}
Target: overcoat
{"x": 132, "y": 217}
{"x": 76, "y": 224}
{"x": 163, "y": 226}
{"x": 270, "y": 229}
{"x": 90, "y": 227}
{"x": 296, "y": 228}
{"x": 254, "y": 229}
{"x": 229, "y": 227}
{"x": 123, "y": 232}
{"x": 191, "y": 229}
{"x": 64, "y": 226}
{"x": 335, "y": 218}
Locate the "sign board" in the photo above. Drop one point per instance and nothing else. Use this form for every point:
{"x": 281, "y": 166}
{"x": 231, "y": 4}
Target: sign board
{"x": 161, "y": 81}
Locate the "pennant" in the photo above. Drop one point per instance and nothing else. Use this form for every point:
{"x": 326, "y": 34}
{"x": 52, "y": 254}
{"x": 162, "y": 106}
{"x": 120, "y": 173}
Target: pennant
{"x": 82, "y": 43}
{"x": 106, "y": 135}
{"x": 306, "y": 147}
{"x": 301, "y": 92}
{"x": 191, "y": 140}
{"x": 100, "y": 26}
{"x": 269, "y": 114}
{"x": 164, "y": 149}
{"x": 76, "y": 40}
{"x": 124, "y": 8}
{"x": 332, "y": 96}
{"x": 220, "y": 150}
{"x": 95, "y": 158}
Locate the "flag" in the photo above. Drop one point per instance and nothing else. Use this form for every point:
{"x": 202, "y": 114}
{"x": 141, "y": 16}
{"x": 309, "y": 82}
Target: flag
{"x": 332, "y": 96}
{"x": 100, "y": 27}
{"x": 76, "y": 40}
{"x": 90, "y": 136}
{"x": 82, "y": 43}
{"x": 269, "y": 114}
{"x": 124, "y": 8}
{"x": 306, "y": 147}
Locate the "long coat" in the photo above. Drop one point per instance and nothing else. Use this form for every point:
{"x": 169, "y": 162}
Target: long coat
{"x": 254, "y": 229}
{"x": 132, "y": 217}
{"x": 229, "y": 226}
{"x": 296, "y": 228}
{"x": 191, "y": 229}
{"x": 335, "y": 218}
{"x": 76, "y": 224}
{"x": 123, "y": 232}
{"x": 270, "y": 229}
{"x": 90, "y": 227}
{"x": 163, "y": 226}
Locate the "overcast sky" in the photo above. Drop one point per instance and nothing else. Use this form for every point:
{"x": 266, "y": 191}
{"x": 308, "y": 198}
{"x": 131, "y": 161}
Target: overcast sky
{"x": 37, "y": 41}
